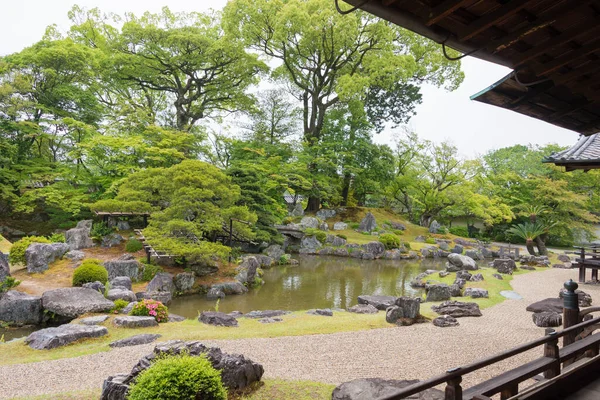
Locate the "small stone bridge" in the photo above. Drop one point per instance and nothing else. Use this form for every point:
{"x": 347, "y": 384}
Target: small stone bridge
{"x": 291, "y": 230}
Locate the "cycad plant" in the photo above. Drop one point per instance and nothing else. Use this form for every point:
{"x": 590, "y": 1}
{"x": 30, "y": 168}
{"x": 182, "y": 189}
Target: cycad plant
{"x": 528, "y": 231}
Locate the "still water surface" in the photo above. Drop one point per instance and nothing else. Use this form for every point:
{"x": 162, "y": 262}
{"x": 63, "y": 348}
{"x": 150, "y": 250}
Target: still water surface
{"x": 317, "y": 282}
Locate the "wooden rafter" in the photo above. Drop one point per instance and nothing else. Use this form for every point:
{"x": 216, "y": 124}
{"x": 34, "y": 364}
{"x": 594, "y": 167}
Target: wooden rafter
{"x": 562, "y": 79}
{"x": 563, "y": 113}
{"x": 442, "y": 10}
{"x": 545, "y": 69}
{"x": 556, "y": 41}
{"x": 498, "y": 15}
{"x": 531, "y": 93}
{"x": 545, "y": 20}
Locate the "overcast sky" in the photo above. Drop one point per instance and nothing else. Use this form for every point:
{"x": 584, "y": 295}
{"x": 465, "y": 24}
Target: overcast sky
{"x": 473, "y": 127}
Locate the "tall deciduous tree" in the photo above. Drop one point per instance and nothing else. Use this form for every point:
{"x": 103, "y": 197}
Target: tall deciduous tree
{"x": 329, "y": 58}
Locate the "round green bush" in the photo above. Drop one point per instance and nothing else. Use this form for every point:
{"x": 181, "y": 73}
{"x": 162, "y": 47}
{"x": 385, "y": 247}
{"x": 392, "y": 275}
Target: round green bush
{"x": 390, "y": 241}
{"x": 17, "y": 251}
{"x": 430, "y": 240}
{"x": 459, "y": 231}
{"x": 133, "y": 246}
{"x": 179, "y": 377}
{"x": 119, "y": 305}
{"x": 89, "y": 271}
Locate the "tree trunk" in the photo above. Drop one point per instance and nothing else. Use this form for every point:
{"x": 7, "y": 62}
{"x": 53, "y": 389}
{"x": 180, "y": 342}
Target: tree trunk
{"x": 314, "y": 204}
{"x": 530, "y": 248}
{"x": 541, "y": 245}
{"x": 425, "y": 220}
{"x": 346, "y": 189}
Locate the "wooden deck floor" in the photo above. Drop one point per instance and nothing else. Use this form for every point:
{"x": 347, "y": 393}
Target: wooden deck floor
{"x": 588, "y": 392}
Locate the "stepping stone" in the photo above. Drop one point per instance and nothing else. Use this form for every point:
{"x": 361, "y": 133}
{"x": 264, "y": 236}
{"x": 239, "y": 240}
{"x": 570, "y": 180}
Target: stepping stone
{"x": 93, "y": 320}
{"x": 458, "y": 309}
{"x": 135, "y": 340}
{"x": 325, "y": 312}
{"x": 363, "y": 309}
{"x": 269, "y": 320}
{"x": 51, "y": 338}
{"x": 509, "y": 294}
{"x": 134, "y": 322}
{"x": 266, "y": 313}
{"x": 375, "y": 388}
{"x": 550, "y": 304}
{"x": 379, "y": 302}
{"x": 75, "y": 301}
{"x": 217, "y": 319}
{"x": 444, "y": 321}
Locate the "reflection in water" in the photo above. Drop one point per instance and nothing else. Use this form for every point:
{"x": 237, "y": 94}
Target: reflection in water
{"x": 317, "y": 282}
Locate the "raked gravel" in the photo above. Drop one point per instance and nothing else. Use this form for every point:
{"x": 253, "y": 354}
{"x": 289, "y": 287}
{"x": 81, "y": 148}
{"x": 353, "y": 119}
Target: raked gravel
{"x": 414, "y": 352}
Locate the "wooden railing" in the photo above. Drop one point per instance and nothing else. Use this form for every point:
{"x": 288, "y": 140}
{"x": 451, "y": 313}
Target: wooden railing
{"x": 507, "y": 383}
{"x": 588, "y": 258}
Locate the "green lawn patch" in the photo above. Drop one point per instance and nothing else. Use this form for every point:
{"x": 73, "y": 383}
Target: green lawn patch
{"x": 5, "y": 245}
{"x": 295, "y": 324}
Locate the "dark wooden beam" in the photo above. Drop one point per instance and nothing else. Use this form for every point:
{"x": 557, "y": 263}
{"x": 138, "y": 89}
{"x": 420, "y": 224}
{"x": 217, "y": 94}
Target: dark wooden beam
{"x": 532, "y": 92}
{"x": 491, "y": 18}
{"x": 443, "y": 9}
{"x": 545, "y": 19}
{"x": 589, "y": 68}
{"x": 562, "y": 113}
{"x": 556, "y": 41}
{"x": 545, "y": 69}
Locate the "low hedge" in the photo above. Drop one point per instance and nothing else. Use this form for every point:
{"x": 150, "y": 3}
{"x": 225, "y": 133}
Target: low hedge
{"x": 90, "y": 271}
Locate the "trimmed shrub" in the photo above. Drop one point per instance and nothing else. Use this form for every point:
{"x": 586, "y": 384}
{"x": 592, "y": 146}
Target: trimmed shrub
{"x": 284, "y": 259}
{"x": 8, "y": 283}
{"x": 430, "y": 240}
{"x": 390, "y": 241}
{"x": 320, "y": 235}
{"x": 151, "y": 308}
{"x": 354, "y": 225}
{"x": 90, "y": 271}
{"x": 99, "y": 230}
{"x": 119, "y": 305}
{"x": 342, "y": 236}
{"x": 459, "y": 231}
{"x": 179, "y": 377}
{"x": 149, "y": 271}
{"x": 133, "y": 246}
{"x": 17, "y": 251}
{"x": 57, "y": 238}
{"x": 406, "y": 245}
{"x": 398, "y": 232}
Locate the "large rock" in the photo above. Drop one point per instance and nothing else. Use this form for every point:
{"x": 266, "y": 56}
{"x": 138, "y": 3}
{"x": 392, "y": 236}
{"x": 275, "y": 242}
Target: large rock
{"x": 203, "y": 268}
{"x": 336, "y": 241}
{"x": 123, "y": 281}
{"x": 79, "y": 237}
{"x": 97, "y": 286}
{"x": 457, "y": 262}
{"x": 474, "y": 254}
{"x": 368, "y": 223}
{"x": 564, "y": 258}
{"x": 458, "y": 309}
{"x": 163, "y": 297}
{"x": 373, "y": 250}
{"x": 504, "y": 265}
{"x": 310, "y": 245}
{"x": 18, "y": 308}
{"x": 547, "y": 319}
{"x": 184, "y": 281}
{"x": 4, "y": 267}
{"x": 217, "y": 319}
{"x": 297, "y": 211}
{"x": 376, "y": 388}
{"x": 134, "y": 322}
{"x": 75, "y": 301}
{"x": 162, "y": 282}
{"x": 214, "y": 294}
{"x": 136, "y": 340}
{"x": 123, "y": 267}
{"x": 434, "y": 227}
{"x": 237, "y": 371}
{"x": 340, "y": 226}
{"x": 96, "y": 320}
{"x": 457, "y": 249}
{"x": 379, "y": 302}
{"x": 325, "y": 214}
{"x": 230, "y": 287}
{"x": 75, "y": 255}
{"x": 444, "y": 321}
{"x": 121, "y": 293}
{"x": 112, "y": 240}
{"x": 438, "y": 292}
{"x": 550, "y": 304}
{"x": 411, "y": 306}
{"x": 39, "y": 255}
{"x": 247, "y": 270}
{"x": 585, "y": 300}
{"x": 274, "y": 251}
{"x": 309, "y": 222}
{"x": 363, "y": 309}
{"x": 51, "y": 338}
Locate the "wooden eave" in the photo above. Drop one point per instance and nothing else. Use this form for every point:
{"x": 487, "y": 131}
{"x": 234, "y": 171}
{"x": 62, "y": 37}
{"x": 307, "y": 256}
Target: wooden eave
{"x": 553, "y": 47}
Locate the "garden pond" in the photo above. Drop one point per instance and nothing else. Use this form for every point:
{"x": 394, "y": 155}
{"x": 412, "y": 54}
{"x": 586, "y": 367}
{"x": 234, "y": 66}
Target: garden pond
{"x": 316, "y": 282}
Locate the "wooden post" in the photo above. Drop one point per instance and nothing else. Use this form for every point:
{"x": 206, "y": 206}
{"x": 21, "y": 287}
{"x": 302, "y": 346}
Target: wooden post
{"x": 570, "y": 312}
{"x": 582, "y": 266}
{"x": 509, "y": 392}
{"x": 453, "y": 389}
{"x": 551, "y": 351}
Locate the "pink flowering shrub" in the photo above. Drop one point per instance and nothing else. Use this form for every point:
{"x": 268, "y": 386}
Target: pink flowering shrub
{"x": 151, "y": 308}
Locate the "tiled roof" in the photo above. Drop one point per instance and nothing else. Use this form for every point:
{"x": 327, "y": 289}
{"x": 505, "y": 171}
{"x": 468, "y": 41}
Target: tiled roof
{"x": 585, "y": 151}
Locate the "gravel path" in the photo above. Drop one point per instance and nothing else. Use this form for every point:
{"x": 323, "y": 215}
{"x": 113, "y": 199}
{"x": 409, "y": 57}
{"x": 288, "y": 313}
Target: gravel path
{"x": 414, "y": 352}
